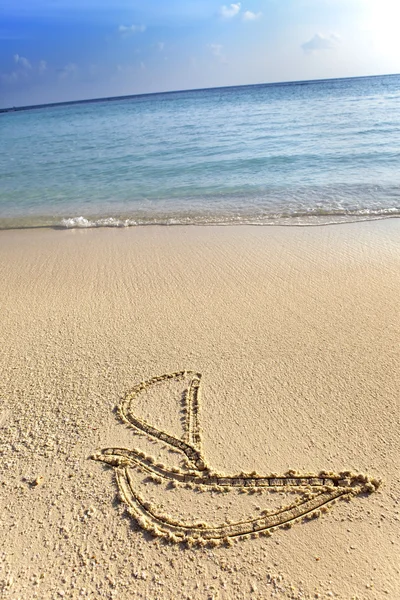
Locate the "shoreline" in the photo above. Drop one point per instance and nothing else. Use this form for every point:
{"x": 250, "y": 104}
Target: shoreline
{"x": 295, "y": 333}
{"x": 104, "y": 223}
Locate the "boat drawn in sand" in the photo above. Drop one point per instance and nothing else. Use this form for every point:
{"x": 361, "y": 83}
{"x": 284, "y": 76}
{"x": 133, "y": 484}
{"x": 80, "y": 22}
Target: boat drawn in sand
{"x": 315, "y": 493}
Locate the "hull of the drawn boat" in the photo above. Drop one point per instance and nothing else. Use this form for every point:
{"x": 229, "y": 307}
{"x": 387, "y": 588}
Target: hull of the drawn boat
{"x": 138, "y": 495}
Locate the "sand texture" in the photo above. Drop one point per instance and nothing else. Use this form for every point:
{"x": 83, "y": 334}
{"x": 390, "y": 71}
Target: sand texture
{"x": 180, "y": 407}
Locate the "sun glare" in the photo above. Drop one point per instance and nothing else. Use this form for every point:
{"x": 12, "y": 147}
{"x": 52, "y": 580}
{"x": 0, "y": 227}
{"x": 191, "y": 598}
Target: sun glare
{"x": 383, "y": 17}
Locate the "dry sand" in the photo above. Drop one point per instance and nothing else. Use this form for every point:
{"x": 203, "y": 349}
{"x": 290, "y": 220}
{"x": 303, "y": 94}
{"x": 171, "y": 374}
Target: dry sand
{"x": 296, "y": 334}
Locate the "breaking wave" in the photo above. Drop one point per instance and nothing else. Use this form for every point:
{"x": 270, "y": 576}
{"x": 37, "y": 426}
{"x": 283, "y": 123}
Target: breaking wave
{"x": 297, "y": 218}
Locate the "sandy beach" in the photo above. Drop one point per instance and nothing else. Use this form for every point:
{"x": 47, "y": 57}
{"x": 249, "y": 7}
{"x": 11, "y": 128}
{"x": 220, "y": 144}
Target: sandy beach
{"x": 295, "y": 332}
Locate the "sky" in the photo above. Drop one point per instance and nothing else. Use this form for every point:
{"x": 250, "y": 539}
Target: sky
{"x": 62, "y": 50}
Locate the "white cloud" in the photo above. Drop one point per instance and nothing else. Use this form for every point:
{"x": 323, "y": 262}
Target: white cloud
{"x": 321, "y": 42}
{"x": 24, "y": 72}
{"x": 42, "y": 66}
{"x": 68, "y": 71}
{"x": 131, "y": 29}
{"x": 160, "y": 46}
{"x": 228, "y": 12}
{"x": 22, "y": 61}
{"x": 250, "y": 16}
{"x": 216, "y": 49}
{"x": 10, "y": 78}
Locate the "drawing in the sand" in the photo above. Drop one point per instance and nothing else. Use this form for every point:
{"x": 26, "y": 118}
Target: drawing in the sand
{"x": 315, "y": 493}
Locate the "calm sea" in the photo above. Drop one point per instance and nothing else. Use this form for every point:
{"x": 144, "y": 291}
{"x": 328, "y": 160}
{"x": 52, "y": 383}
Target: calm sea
{"x": 287, "y": 154}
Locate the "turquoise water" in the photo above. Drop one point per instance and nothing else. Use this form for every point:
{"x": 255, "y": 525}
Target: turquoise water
{"x": 292, "y": 154}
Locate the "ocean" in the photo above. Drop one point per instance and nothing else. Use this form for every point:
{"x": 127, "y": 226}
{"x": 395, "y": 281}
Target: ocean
{"x": 305, "y": 153}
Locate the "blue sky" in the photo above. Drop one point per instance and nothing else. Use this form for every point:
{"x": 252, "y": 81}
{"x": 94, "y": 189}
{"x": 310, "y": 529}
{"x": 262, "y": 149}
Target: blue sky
{"x": 55, "y": 50}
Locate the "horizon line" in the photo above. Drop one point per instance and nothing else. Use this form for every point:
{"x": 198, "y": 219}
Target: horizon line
{"x": 225, "y": 87}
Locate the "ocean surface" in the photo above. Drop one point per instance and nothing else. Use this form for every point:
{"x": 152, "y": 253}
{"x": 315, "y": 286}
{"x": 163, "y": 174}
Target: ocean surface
{"x": 304, "y": 153}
